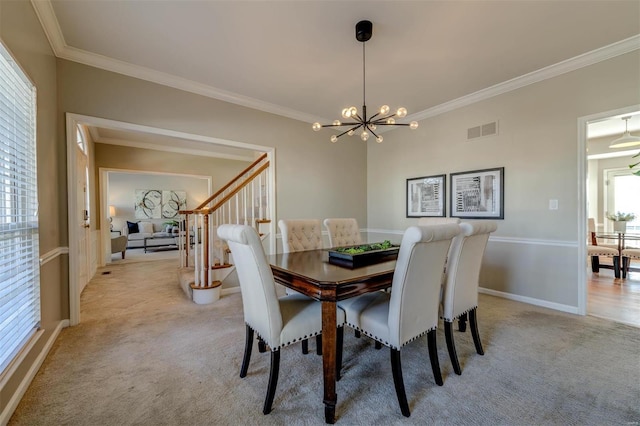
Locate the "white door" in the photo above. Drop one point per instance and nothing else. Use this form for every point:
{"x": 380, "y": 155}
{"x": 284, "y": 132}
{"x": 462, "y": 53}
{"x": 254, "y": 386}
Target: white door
{"x": 82, "y": 205}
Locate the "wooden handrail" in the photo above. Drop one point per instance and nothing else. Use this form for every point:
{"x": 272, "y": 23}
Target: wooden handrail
{"x": 209, "y": 210}
{"x": 231, "y": 182}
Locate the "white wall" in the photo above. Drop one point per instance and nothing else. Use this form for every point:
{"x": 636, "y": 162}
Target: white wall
{"x": 533, "y": 254}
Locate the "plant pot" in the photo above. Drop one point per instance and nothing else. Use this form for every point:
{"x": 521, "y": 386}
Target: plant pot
{"x": 620, "y": 227}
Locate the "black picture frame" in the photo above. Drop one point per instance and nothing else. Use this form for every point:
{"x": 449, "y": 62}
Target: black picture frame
{"x": 477, "y": 194}
{"x": 426, "y": 196}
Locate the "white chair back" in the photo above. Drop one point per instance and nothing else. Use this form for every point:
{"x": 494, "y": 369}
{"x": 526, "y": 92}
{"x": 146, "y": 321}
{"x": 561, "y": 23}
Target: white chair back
{"x": 343, "y": 232}
{"x": 300, "y": 234}
{"x": 463, "y": 271}
{"x": 427, "y": 221}
{"x": 259, "y": 298}
{"x": 415, "y": 295}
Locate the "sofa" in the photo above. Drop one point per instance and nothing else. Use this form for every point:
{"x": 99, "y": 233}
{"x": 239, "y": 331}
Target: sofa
{"x": 149, "y": 235}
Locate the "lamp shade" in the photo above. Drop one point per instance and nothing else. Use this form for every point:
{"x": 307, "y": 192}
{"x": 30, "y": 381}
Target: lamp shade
{"x": 112, "y": 211}
{"x": 626, "y": 140}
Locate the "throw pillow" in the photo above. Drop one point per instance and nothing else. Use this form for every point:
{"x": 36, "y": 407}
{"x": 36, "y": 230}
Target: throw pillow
{"x": 132, "y": 227}
{"x": 145, "y": 227}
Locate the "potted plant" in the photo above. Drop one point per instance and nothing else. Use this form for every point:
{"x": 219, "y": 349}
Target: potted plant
{"x": 620, "y": 221}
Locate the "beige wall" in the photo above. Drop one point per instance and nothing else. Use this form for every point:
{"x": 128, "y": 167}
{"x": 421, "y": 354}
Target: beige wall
{"x": 125, "y": 158}
{"x": 314, "y": 177}
{"x": 21, "y": 33}
{"x": 533, "y": 254}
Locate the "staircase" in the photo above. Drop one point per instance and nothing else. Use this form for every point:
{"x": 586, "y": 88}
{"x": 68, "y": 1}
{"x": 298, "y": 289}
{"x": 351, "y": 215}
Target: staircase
{"x": 205, "y": 260}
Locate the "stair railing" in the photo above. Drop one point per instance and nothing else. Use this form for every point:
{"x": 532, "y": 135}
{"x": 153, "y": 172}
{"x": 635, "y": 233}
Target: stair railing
{"x": 243, "y": 200}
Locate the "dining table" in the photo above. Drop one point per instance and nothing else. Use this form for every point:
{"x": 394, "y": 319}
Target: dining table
{"x": 622, "y": 238}
{"x": 311, "y": 273}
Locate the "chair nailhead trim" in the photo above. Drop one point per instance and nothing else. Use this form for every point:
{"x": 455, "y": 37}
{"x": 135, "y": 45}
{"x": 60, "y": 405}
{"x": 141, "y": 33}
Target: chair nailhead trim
{"x": 282, "y": 345}
{"x": 378, "y": 339}
{"x": 461, "y": 313}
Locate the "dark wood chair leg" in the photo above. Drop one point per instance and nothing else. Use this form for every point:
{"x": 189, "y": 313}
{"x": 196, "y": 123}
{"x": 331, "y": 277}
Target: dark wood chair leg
{"x": 625, "y": 266}
{"x": 248, "y": 344}
{"x": 305, "y": 346}
{"x": 616, "y": 266}
{"x": 319, "y": 344}
{"x": 473, "y": 322}
{"x": 378, "y": 345}
{"x": 357, "y": 334}
{"x": 273, "y": 381}
{"x": 433, "y": 356}
{"x": 262, "y": 347}
{"x": 462, "y": 323}
{"x": 595, "y": 264}
{"x": 396, "y": 368}
{"x": 451, "y": 347}
{"x": 339, "y": 344}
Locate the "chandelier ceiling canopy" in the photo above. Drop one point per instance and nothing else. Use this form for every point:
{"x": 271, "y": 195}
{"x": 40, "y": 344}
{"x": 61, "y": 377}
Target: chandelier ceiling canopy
{"x": 359, "y": 119}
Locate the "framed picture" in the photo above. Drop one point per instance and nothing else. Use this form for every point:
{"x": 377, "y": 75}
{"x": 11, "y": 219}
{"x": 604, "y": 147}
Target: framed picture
{"x": 426, "y": 196}
{"x": 478, "y": 194}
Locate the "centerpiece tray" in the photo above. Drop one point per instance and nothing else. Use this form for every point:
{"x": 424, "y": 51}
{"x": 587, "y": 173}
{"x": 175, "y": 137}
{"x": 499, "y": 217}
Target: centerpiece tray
{"x": 363, "y": 254}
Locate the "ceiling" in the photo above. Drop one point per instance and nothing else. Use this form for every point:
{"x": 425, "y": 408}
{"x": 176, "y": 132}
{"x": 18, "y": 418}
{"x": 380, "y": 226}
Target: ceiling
{"x": 300, "y": 59}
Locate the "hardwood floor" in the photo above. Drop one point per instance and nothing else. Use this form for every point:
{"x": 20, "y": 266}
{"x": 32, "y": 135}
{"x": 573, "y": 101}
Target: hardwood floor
{"x": 614, "y": 298}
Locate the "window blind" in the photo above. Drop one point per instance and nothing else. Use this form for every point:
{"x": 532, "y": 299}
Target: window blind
{"x": 19, "y": 252}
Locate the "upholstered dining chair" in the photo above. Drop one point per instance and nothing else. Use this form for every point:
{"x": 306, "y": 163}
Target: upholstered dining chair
{"x": 460, "y": 295}
{"x": 343, "y": 232}
{"x": 279, "y": 322}
{"x": 300, "y": 235}
{"x": 627, "y": 255}
{"x": 595, "y": 250}
{"x": 426, "y": 221}
{"x": 411, "y": 309}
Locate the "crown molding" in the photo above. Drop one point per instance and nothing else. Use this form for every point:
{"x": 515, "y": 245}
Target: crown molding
{"x": 47, "y": 17}
{"x": 602, "y": 54}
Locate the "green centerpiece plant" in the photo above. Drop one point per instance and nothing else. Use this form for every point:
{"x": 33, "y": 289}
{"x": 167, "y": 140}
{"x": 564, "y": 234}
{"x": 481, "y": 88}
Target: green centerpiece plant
{"x": 620, "y": 220}
{"x": 386, "y": 244}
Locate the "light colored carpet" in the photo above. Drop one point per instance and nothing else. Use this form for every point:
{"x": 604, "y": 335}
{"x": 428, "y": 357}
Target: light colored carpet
{"x": 144, "y": 354}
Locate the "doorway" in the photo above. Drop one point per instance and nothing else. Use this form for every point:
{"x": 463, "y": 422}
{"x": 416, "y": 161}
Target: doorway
{"x": 174, "y": 141}
{"x": 609, "y": 188}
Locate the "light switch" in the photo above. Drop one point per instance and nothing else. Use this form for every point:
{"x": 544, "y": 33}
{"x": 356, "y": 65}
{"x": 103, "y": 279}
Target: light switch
{"x": 553, "y": 204}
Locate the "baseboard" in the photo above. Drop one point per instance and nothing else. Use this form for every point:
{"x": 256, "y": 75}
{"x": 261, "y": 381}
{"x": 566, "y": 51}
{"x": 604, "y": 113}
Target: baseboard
{"x": 530, "y": 300}
{"x": 28, "y": 378}
{"x": 230, "y": 290}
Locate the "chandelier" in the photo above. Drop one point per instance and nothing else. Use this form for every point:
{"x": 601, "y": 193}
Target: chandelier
{"x": 359, "y": 120}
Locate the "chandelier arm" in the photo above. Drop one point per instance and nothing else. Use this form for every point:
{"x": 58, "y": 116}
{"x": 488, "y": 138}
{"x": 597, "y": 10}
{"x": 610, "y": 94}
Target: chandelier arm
{"x": 382, "y": 119}
{"x": 347, "y": 131}
{"x": 394, "y": 124}
{"x": 341, "y": 124}
{"x": 373, "y": 133}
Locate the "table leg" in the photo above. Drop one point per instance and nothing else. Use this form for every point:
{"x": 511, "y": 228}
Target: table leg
{"x": 329, "y": 359}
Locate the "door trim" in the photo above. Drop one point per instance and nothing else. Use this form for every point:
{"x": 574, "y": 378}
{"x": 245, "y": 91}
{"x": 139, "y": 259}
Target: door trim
{"x": 72, "y": 120}
{"x": 582, "y": 196}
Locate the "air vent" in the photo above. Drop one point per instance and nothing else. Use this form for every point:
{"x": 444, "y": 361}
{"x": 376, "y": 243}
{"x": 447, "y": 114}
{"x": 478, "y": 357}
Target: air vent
{"x": 483, "y": 130}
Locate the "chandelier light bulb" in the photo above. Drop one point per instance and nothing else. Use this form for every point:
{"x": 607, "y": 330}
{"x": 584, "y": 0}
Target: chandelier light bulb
{"x": 413, "y": 125}
{"x": 379, "y": 139}
{"x": 316, "y": 126}
{"x": 345, "y": 113}
{"x": 336, "y": 122}
{"x": 353, "y": 111}
{"x": 384, "y": 109}
{"x": 364, "y": 136}
{"x": 334, "y": 138}
{"x": 350, "y": 132}
{"x": 402, "y": 112}
{"x": 391, "y": 121}
{"x": 373, "y": 127}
